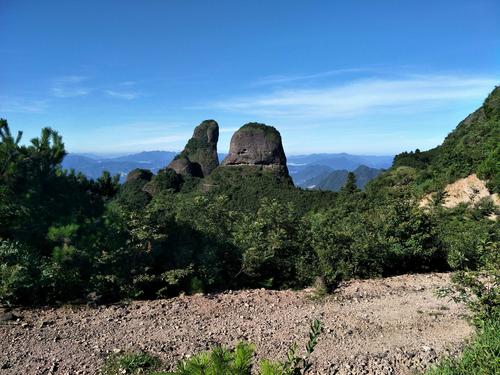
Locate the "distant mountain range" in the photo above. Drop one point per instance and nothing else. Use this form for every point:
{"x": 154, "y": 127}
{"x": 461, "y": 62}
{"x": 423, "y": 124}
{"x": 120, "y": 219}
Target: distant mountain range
{"x": 329, "y": 171}
{"x": 92, "y": 166}
{"x": 341, "y": 161}
{"x": 335, "y": 179}
{"x": 315, "y": 171}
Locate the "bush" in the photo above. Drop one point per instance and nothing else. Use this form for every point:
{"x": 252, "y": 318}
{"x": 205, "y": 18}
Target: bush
{"x": 19, "y": 274}
{"x": 269, "y": 242}
{"x": 131, "y": 363}
{"x": 482, "y": 356}
{"x": 480, "y": 290}
{"x": 218, "y": 361}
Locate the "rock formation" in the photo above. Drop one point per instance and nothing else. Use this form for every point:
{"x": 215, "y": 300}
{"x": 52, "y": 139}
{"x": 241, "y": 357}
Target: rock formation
{"x": 183, "y": 166}
{"x": 258, "y": 145}
{"x": 139, "y": 174}
{"x": 199, "y": 157}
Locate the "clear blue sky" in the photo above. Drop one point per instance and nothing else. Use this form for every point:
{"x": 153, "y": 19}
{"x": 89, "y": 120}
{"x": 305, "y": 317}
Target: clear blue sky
{"x": 333, "y": 76}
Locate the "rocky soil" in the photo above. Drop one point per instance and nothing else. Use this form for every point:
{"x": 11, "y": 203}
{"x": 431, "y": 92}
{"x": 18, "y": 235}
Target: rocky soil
{"x": 386, "y": 326}
{"x": 468, "y": 190}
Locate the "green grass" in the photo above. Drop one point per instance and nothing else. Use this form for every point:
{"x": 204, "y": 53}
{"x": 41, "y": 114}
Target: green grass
{"x": 480, "y": 357}
{"x": 131, "y": 364}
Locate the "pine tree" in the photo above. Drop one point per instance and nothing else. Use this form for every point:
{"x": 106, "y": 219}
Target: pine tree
{"x": 350, "y": 186}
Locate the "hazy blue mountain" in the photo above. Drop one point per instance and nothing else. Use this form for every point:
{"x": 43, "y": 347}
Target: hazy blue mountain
{"x": 334, "y": 180}
{"x": 341, "y": 161}
{"x": 302, "y": 174}
{"x": 93, "y": 167}
{"x": 308, "y": 170}
{"x": 302, "y": 168}
{"x": 148, "y": 157}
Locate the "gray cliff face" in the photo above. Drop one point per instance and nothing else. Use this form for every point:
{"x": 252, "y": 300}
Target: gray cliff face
{"x": 259, "y": 145}
{"x": 200, "y": 153}
{"x": 256, "y": 144}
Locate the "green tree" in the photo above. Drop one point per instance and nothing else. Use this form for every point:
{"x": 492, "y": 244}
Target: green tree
{"x": 269, "y": 243}
{"x": 350, "y": 186}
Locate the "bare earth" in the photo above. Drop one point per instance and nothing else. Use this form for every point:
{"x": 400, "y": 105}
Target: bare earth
{"x": 385, "y": 326}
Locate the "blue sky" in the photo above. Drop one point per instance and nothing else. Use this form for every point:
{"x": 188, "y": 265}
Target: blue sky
{"x": 362, "y": 77}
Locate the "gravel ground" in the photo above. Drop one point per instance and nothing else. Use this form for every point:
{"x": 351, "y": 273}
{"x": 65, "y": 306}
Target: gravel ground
{"x": 385, "y": 326}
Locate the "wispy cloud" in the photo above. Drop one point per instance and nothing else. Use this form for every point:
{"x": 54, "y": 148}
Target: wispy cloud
{"x": 136, "y": 136}
{"x": 285, "y": 79}
{"x": 72, "y": 86}
{"x": 19, "y": 105}
{"x": 165, "y": 140}
{"x": 122, "y": 94}
{"x": 69, "y": 87}
{"x": 128, "y": 83}
{"x": 149, "y": 128}
{"x": 411, "y": 94}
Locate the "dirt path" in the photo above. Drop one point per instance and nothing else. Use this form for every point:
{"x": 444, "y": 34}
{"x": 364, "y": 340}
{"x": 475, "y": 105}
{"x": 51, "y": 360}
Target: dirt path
{"x": 387, "y": 326}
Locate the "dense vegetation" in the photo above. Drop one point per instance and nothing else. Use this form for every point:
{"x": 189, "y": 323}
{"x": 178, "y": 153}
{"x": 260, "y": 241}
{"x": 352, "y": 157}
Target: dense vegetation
{"x": 480, "y": 290}
{"x": 67, "y": 238}
{"x": 473, "y": 147}
{"x": 268, "y": 131}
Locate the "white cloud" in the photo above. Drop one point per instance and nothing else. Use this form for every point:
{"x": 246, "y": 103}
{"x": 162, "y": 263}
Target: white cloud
{"x": 69, "y": 87}
{"x": 128, "y": 83}
{"x": 122, "y": 95}
{"x": 165, "y": 140}
{"x": 19, "y": 105}
{"x": 411, "y": 94}
{"x": 282, "y": 79}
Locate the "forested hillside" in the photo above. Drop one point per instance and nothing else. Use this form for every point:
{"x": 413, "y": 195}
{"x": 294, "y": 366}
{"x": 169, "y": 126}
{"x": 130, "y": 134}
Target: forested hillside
{"x": 473, "y": 147}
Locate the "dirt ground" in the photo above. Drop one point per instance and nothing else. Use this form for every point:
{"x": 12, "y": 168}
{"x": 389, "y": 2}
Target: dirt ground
{"x": 385, "y": 326}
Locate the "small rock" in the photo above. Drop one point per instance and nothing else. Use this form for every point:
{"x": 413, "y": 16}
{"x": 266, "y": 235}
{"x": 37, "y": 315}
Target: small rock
{"x": 5, "y": 365}
{"x": 7, "y": 316}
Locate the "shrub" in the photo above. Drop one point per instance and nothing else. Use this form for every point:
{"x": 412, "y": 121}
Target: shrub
{"x": 19, "y": 274}
{"x": 294, "y": 364}
{"x": 131, "y": 363}
{"x": 480, "y": 290}
{"x": 482, "y": 356}
{"x": 218, "y": 361}
{"x": 268, "y": 241}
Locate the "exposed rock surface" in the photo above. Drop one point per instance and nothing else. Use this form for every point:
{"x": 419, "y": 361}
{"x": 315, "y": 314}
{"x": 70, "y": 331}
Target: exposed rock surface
{"x": 200, "y": 153}
{"x": 468, "y": 190}
{"x": 385, "y": 326}
{"x": 183, "y": 166}
{"x": 257, "y": 145}
{"x": 139, "y": 174}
